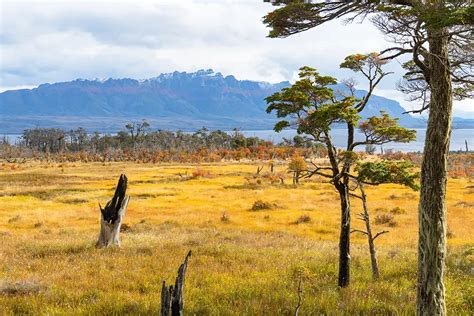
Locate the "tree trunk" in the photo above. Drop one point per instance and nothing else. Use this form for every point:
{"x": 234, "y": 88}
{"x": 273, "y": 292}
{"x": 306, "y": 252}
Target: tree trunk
{"x": 112, "y": 216}
{"x": 344, "y": 238}
{"x": 432, "y": 207}
{"x": 370, "y": 237}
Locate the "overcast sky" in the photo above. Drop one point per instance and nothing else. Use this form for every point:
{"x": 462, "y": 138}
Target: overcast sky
{"x": 61, "y": 40}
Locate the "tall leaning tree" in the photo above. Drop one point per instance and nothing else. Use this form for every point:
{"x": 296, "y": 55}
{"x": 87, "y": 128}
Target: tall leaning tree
{"x": 437, "y": 37}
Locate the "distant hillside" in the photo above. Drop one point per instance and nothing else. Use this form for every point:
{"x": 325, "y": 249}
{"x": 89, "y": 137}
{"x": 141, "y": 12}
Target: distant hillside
{"x": 178, "y": 100}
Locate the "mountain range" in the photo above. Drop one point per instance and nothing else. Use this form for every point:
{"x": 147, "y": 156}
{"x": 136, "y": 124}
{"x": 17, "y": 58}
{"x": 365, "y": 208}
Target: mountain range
{"x": 175, "y": 101}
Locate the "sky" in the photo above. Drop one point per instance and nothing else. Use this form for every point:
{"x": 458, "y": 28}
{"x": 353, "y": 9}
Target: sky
{"x": 45, "y": 41}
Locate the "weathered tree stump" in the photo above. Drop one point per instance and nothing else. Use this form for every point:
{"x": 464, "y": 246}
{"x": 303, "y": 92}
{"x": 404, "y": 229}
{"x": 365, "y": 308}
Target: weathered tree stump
{"x": 172, "y": 301}
{"x": 112, "y": 215}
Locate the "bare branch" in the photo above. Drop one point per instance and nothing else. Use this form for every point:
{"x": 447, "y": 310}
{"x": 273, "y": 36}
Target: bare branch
{"x": 300, "y": 292}
{"x": 379, "y": 234}
{"x": 359, "y": 231}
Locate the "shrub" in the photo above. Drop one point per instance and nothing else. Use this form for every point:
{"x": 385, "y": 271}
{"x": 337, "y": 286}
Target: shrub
{"x": 76, "y": 201}
{"x": 125, "y": 228}
{"x": 303, "y": 219}
{"x": 397, "y": 210}
{"x": 297, "y": 164}
{"x": 450, "y": 234}
{"x": 200, "y": 173}
{"x": 14, "y": 219}
{"x": 225, "y": 218}
{"x": 19, "y": 288}
{"x": 262, "y": 205}
{"x": 387, "y": 219}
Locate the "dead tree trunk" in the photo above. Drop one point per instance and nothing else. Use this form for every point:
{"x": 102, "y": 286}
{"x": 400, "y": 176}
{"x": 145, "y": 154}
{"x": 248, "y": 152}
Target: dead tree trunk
{"x": 297, "y": 175}
{"x": 112, "y": 215}
{"x": 370, "y": 237}
{"x": 172, "y": 301}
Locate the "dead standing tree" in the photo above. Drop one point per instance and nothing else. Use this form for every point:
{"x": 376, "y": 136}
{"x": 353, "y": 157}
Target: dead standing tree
{"x": 112, "y": 215}
{"x": 172, "y": 302}
{"x": 368, "y": 231}
{"x": 376, "y": 173}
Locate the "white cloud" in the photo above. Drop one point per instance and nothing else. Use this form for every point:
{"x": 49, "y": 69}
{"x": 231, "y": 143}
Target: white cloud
{"x": 59, "y": 40}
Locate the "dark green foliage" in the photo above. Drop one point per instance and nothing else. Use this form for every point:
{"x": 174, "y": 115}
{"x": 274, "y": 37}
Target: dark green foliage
{"x": 379, "y": 130}
{"x": 295, "y": 16}
{"x": 312, "y": 104}
{"x": 400, "y": 172}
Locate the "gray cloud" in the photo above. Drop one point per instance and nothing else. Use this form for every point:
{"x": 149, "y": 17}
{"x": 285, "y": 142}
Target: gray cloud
{"x": 58, "y": 40}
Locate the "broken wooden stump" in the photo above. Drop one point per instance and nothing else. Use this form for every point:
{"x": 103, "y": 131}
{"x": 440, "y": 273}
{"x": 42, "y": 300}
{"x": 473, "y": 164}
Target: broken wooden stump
{"x": 172, "y": 301}
{"x": 112, "y": 215}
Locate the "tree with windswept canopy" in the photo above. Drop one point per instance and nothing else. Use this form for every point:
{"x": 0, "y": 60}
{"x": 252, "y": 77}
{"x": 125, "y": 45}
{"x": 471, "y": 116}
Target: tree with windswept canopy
{"x": 312, "y": 106}
{"x": 437, "y": 37}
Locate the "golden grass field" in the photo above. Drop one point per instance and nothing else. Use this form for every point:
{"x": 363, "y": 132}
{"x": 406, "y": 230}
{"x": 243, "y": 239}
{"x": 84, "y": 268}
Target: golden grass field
{"x": 246, "y": 265}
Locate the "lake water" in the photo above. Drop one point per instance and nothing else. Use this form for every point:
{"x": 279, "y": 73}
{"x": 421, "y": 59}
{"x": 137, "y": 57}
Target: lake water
{"x": 458, "y": 138}
{"x": 339, "y": 137}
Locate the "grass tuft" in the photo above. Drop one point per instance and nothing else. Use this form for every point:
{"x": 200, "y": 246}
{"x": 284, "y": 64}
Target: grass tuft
{"x": 20, "y": 288}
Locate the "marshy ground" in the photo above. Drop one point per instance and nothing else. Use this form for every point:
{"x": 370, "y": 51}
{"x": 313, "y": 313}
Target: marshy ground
{"x": 251, "y": 240}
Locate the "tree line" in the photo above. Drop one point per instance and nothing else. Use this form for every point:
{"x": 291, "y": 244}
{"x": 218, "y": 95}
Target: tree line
{"x": 138, "y": 135}
{"x": 137, "y": 142}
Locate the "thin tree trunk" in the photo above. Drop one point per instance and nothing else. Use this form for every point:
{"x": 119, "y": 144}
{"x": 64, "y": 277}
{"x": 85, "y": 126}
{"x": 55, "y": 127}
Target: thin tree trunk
{"x": 344, "y": 238}
{"x": 370, "y": 237}
{"x": 432, "y": 207}
{"x": 300, "y": 293}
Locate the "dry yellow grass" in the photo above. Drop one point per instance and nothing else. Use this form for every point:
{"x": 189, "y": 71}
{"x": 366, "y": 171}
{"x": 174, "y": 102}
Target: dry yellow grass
{"x": 247, "y": 263}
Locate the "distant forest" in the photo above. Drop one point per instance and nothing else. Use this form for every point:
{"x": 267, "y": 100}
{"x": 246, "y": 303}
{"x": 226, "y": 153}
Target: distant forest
{"x": 137, "y": 142}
